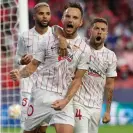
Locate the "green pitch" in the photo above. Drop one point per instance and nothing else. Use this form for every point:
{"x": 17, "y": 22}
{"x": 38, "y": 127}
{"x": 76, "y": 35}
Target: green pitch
{"x": 102, "y": 129}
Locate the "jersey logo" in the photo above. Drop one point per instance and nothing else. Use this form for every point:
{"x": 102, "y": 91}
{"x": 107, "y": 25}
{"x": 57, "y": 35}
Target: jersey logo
{"x": 87, "y": 63}
{"x": 29, "y": 46}
{"x": 69, "y": 58}
{"x": 53, "y": 47}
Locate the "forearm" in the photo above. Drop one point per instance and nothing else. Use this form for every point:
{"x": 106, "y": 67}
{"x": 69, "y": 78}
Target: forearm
{"x": 109, "y": 97}
{"x": 76, "y": 83}
{"x": 29, "y": 69}
{"x": 25, "y": 72}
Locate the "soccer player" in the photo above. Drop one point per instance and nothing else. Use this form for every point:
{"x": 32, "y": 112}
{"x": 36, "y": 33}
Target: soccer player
{"x": 56, "y": 75}
{"x": 100, "y": 77}
{"x": 27, "y": 46}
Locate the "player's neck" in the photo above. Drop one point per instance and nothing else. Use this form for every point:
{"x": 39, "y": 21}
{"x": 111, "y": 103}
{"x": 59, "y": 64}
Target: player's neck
{"x": 67, "y": 36}
{"x": 96, "y": 47}
{"x": 41, "y": 30}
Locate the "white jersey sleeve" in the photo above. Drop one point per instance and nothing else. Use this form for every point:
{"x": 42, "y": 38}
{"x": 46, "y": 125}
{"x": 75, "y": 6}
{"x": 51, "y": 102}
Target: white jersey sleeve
{"x": 111, "y": 71}
{"x": 83, "y": 61}
{"x": 20, "y": 50}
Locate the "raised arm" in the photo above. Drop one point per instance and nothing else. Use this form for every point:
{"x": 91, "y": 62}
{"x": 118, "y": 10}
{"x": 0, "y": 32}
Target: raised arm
{"x": 58, "y": 32}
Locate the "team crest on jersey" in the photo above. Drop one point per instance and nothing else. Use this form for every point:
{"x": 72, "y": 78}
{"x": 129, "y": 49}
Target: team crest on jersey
{"x": 69, "y": 58}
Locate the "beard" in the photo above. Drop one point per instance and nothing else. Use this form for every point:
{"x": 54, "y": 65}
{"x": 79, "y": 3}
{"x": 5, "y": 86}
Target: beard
{"x": 96, "y": 43}
{"x": 70, "y": 34}
{"x": 42, "y": 25}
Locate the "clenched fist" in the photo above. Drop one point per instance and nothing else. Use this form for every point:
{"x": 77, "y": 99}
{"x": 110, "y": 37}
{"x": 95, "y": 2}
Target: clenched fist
{"x": 15, "y": 75}
{"x": 26, "y": 59}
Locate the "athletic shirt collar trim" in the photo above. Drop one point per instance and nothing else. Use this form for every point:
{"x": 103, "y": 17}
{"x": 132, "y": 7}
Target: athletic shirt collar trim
{"x": 38, "y": 33}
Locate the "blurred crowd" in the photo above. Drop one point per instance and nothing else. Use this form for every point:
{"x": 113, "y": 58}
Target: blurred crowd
{"x": 119, "y": 14}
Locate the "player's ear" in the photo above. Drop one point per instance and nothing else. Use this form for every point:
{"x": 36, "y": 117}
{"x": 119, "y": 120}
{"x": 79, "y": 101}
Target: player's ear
{"x": 62, "y": 19}
{"x": 89, "y": 32}
{"x": 81, "y": 23}
{"x": 34, "y": 12}
{"x": 106, "y": 34}
{"x": 33, "y": 16}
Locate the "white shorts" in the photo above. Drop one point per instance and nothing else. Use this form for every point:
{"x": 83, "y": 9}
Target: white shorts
{"x": 40, "y": 110}
{"x": 25, "y": 100}
{"x": 86, "y": 119}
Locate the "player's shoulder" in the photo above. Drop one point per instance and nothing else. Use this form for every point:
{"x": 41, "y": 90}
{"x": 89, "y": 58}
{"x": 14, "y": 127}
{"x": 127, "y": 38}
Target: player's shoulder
{"x": 81, "y": 43}
{"x": 27, "y": 33}
{"x": 109, "y": 51}
{"x": 49, "y": 36}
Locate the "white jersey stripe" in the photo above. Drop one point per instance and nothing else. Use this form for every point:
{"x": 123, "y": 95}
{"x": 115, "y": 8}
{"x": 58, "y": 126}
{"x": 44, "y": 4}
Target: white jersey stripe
{"x": 43, "y": 72}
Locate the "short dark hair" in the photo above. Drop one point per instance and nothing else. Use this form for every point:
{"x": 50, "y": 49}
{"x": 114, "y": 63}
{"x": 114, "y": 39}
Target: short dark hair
{"x": 40, "y": 4}
{"x": 74, "y": 5}
{"x": 97, "y": 19}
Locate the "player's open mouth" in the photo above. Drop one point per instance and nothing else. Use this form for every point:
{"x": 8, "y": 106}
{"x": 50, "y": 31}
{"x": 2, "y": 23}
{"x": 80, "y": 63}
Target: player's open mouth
{"x": 69, "y": 27}
{"x": 98, "y": 38}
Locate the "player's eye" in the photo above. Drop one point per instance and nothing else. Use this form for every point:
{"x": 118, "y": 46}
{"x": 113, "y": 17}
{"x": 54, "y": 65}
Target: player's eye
{"x": 48, "y": 13}
{"x": 75, "y": 17}
{"x": 67, "y": 16}
{"x": 41, "y": 13}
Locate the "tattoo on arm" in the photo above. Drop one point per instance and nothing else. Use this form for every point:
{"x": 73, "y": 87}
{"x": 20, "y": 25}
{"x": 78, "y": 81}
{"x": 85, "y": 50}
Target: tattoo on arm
{"x": 70, "y": 95}
{"x": 76, "y": 84}
{"x": 29, "y": 69}
{"x": 109, "y": 98}
{"x": 109, "y": 92}
{"x": 72, "y": 91}
{"x": 25, "y": 72}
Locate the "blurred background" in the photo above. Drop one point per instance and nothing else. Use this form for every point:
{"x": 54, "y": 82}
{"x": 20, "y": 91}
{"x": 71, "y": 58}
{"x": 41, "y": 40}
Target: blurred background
{"x": 119, "y": 14}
